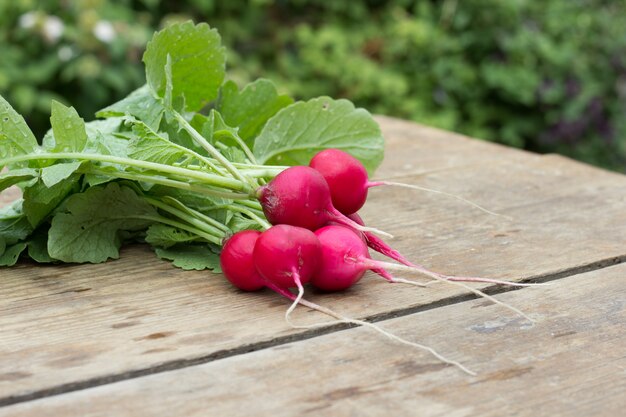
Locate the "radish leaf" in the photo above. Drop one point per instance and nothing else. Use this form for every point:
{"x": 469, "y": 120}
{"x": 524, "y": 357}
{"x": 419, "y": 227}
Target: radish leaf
{"x": 16, "y": 176}
{"x": 68, "y": 129}
{"x": 15, "y": 136}
{"x": 11, "y": 254}
{"x": 191, "y": 257}
{"x": 165, "y": 236}
{"x": 197, "y": 63}
{"x": 140, "y": 104}
{"x": 40, "y": 200}
{"x": 90, "y": 229}
{"x": 250, "y": 108}
{"x": 54, "y": 174}
{"x": 296, "y": 133}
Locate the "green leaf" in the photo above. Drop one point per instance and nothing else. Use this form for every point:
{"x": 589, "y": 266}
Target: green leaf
{"x": 239, "y": 222}
{"x": 91, "y": 228}
{"x": 68, "y": 129}
{"x": 165, "y": 236}
{"x": 140, "y": 104}
{"x": 12, "y": 253}
{"x": 296, "y": 133}
{"x": 191, "y": 257}
{"x": 149, "y": 146}
{"x": 200, "y": 202}
{"x": 16, "y": 176}
{"x": 40, "y": 200}
{"x": 198, "y": 63}
{"x": 38, "y": 247}
{"x": 15, "y": 136}
{"x": 250, "y": 108}
{"x": 14, "y": 225}
{"x": 54, "y": 174}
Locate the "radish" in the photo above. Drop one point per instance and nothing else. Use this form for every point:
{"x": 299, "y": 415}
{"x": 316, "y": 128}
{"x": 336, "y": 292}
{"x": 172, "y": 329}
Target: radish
{"x": 348, "y": 181}
{"x": 237, "y": 262}
{"x": 299, "y": 196}
{"x": 287, "y": 255}
{"x": 344, "y": 260}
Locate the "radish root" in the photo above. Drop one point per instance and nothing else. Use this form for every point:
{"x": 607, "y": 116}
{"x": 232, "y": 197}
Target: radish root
{"x": 430, "y": 190}
{"x": 341, "y": 319}
{"x": 437, "y": 277}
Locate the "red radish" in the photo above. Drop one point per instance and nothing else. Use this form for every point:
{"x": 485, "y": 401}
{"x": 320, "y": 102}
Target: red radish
{"x": 349, "y": 183}
{"x": 341, "y": 263}
{"x": 346, "y": 178}
{"x": 299, "y": 196}
{"x": 287, "y": 255}
{"x": 345, "y": 259}
{"x": 237, "y": 263}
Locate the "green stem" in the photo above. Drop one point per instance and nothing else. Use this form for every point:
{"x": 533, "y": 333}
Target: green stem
{"x": 200, "y": 140}
{"x": 210, "y": 179}
{"x": 198, "y": 215}
{"x": 166, "y": 182}
{"x": 253, "y": 204}
{"x": 214, "y": 231}
{"x": 278, "y": 168}
{"x": 240, "y": 142}
{"x": 250, "y": 214}
{"x": 179, "y": 225}
{"x": 189, "y": 153}
{"x": 261, "y": 173}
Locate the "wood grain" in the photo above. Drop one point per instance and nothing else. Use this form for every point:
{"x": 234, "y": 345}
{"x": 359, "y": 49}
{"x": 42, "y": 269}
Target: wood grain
{"x": 66, "y": 324}
{"x": 571, "y": 363}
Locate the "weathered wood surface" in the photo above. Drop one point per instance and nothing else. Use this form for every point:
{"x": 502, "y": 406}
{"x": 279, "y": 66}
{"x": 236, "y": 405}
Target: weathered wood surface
{"x": 571, "y": 363}
{"x": 63, "y": 325}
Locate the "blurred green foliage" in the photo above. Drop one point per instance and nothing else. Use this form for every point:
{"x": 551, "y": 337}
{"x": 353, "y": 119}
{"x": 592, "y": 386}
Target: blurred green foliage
{"x": 546, "y": 76}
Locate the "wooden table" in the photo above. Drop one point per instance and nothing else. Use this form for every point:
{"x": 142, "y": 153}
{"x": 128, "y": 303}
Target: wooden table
{"x": 138, "y": 337}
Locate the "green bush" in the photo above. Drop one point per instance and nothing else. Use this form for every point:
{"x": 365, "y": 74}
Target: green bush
{"x": 545, "y": 76}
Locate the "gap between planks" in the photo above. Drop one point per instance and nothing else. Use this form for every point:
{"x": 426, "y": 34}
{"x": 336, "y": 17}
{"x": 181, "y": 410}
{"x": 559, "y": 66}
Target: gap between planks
{"x": 309, "y": 334}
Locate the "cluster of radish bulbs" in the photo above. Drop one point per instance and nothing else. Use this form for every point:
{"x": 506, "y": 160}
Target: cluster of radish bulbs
{"x": 318, "y": 238}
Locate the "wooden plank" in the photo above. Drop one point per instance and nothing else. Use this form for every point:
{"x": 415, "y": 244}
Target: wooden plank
{"x": 66, "y": 324}
{"x": 571, "y": 363}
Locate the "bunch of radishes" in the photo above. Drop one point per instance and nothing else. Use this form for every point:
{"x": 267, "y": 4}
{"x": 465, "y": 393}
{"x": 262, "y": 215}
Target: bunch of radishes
{"x": 318, "y": 238}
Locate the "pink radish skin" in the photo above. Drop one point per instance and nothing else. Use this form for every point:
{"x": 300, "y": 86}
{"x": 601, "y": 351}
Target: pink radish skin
{"x": 344, "y": 260}
{"x": 349, "y": 183}
{"x": 299, "y": 196}
{"x": 237, "y": 263}
{"x": 340, "y": 265}
{"x": 346, "y": 178}
{"x": 287, "y": 256}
